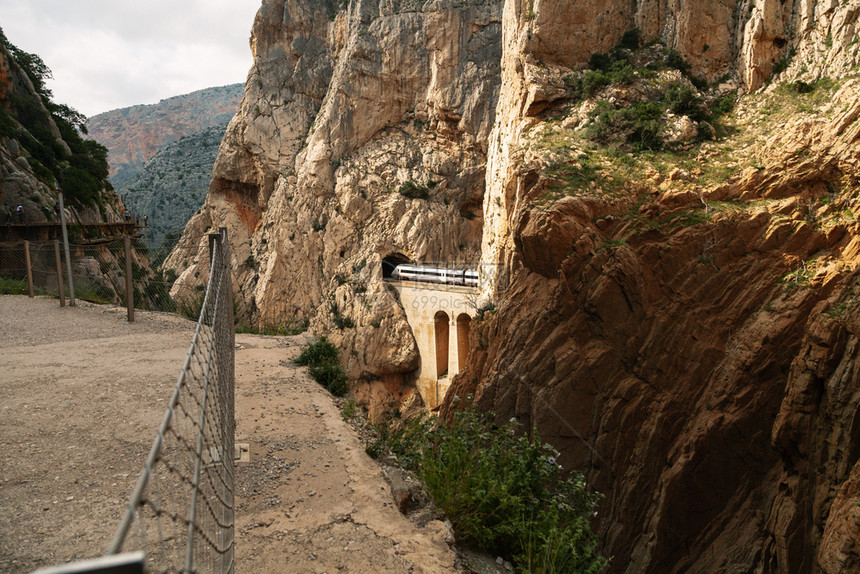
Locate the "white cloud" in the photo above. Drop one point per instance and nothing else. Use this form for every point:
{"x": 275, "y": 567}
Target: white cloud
{"x": 108, "y": 54}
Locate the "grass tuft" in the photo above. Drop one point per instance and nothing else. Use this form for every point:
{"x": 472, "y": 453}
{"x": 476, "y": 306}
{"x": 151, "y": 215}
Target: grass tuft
{"x": 323, "y": 362}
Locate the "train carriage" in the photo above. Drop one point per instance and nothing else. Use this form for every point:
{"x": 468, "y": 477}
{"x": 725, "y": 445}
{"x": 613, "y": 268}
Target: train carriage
{"x": 439, "y": 275}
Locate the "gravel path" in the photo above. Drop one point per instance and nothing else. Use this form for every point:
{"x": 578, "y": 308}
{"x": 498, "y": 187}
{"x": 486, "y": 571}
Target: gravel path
{"x": 82, "y": 392}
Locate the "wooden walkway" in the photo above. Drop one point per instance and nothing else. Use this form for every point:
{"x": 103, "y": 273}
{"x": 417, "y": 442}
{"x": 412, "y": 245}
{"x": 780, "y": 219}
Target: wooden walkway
{"x": 50, "y": 230}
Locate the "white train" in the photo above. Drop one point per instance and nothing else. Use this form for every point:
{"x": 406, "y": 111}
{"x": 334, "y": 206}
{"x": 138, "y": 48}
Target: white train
{"x": 468, "y": 277}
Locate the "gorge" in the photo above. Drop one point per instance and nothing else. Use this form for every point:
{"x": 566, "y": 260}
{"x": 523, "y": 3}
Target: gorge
{"x": 667, "y": 235}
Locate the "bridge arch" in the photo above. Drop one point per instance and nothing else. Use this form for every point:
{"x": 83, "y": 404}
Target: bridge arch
{"x": 442, "y": 337}
{"x": 464, "y": 323}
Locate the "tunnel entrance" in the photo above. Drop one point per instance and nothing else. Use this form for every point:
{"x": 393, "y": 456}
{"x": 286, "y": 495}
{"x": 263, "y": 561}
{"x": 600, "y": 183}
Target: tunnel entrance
{"x": 392, "y": 261}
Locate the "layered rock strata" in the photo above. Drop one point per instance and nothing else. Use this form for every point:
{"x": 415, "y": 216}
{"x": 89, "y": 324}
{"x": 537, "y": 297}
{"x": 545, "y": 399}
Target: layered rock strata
{"x": 690, "y": 344}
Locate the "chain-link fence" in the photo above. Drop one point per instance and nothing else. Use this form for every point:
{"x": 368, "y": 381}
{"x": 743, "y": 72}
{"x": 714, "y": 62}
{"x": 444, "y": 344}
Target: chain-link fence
{"x": 99, "y": 274}
{"x": 28, "y": 267}
{"x": 181, "y": 512}
{"x": 180, "y": 516}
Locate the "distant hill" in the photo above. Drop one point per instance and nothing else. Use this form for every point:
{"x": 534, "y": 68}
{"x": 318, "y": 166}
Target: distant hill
{"x": 173, "y": 184}
{"x": 133, "y": 135}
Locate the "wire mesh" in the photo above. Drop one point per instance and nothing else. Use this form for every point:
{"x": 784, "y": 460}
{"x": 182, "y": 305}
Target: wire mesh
{"x": 13, "y": 270}
{"x": 181, "y": 512}
{"x": 98, "y": 274}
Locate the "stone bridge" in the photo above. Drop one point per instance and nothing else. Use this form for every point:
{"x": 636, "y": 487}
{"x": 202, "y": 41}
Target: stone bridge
{"x": 440, "y": 317}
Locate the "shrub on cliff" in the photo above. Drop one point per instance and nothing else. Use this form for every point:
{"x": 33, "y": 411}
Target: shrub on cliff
{"x": 637, "y": 120}
{"x": 323, "y": 364}
{"x": 503, "y": 491}
{"x": 413, "y": 190}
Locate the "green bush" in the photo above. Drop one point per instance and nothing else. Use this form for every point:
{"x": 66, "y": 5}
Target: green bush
{"x": 79, "y": 185}
{"x": 331, "y": 376}
{"x": 318, "y": 352}
{"x": 503, "y": 491}
{"x": 724, "y": 105}
{"x": 631, "y": 39}
{"x": 683, "y": 100}
{"x": 676, "y": 61}
{"x": 603, "y": 73}
{"x": 413, "y": 190}
{"x": 323, "y": 364}
{"x": 638, "y": 125}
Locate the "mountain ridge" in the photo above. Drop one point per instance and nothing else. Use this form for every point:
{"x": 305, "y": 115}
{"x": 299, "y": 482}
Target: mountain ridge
{"x": 133, "y": 134}
{"x": 172, "y": 185}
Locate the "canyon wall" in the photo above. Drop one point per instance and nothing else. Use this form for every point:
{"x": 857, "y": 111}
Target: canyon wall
{"x": 362, "y": 134}
{"x": 680, "y": 323}
{"x": 690, "y": 343}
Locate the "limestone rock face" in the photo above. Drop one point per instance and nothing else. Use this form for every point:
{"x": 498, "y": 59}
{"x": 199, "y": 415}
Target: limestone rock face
{"x": 701, "y": 373}
{"x": 689, "y": 343}
{"x": 344, "y": 108}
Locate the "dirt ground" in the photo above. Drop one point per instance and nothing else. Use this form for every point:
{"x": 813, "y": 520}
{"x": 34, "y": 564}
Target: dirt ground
{"x": 82, "y": 393}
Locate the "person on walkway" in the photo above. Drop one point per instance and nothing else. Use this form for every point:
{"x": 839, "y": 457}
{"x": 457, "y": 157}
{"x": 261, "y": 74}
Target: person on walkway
{"x": 127, "y": 216}
{"x": 57, "y": 210}
{"x": 146, "y": 221}
{"x": 20, "y": 211}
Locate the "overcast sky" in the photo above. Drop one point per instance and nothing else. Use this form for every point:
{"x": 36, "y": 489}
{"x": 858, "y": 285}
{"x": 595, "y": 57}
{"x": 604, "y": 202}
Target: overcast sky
{"x": 108, "y": 54}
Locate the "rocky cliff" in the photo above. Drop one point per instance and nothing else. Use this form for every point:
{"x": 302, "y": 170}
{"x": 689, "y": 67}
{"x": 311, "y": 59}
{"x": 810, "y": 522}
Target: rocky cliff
{"x": 133, "y": 135}
{"x": 673, "y": 279}
{"x": 42, "y": 151}
{"x": 681, "y": 319}
{"x": 362, "y": 134}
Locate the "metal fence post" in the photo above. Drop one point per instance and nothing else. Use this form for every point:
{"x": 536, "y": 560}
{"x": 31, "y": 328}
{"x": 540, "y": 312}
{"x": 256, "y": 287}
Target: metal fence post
{"x": 219, "y": 237}
{"x": 29, "y": 268}
{"x": 59, "y": 273}
{"x": 213, "y": 239}
{"x": 68, "y": 257}
{"x": 129, "y": 280}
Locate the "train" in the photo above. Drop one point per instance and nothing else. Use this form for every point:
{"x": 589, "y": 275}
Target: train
{"x": 443, "y": 275}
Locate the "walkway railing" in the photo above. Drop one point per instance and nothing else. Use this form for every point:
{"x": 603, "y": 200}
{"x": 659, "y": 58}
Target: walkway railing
{"x": 113, "y": 271}
{"x": 181, "y": 511}
{"x": 180, "y": 516}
